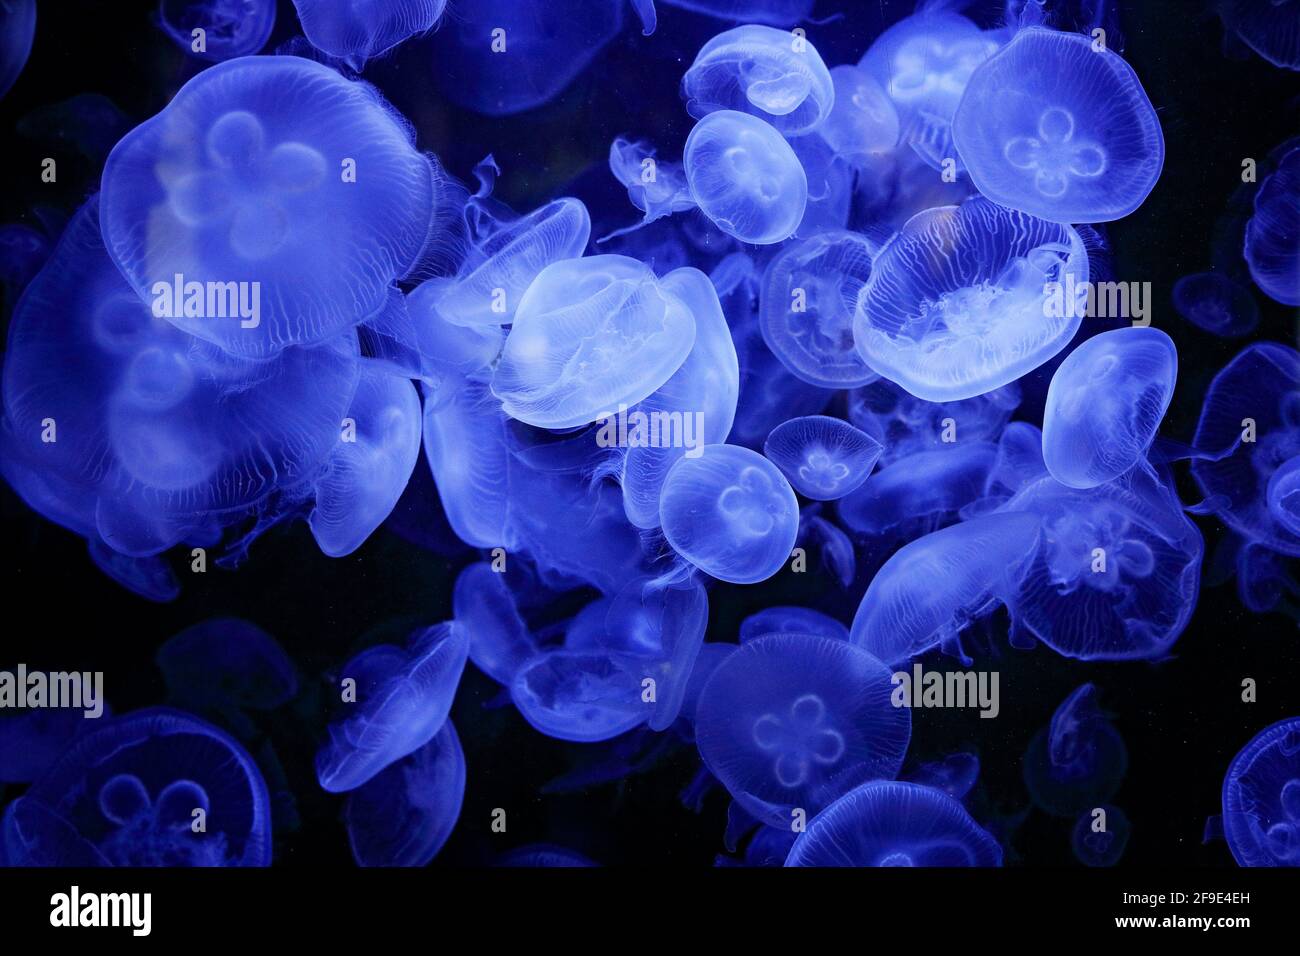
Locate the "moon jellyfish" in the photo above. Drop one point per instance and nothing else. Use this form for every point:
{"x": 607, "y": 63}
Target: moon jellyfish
{"x": 922, "y": 490}
{"x": 773, "y": 74}
{"x": 809, "y": 295}
{"x": 1269, "y": 27}
{"x": 17, "y": 30}
{"x": 400, "y": 700}
{"x": 954, "y": 775}
{"x": 1078, "y": 761}
{"x": 932, "y": 588}
{"x": 745, "y": 177}
{"x": 891, "y": 823}
{"x": 218, "y": 29}
{"x": 730, "y": 513}
{"x": 863, "y": 119}
{"x": 1213, "y": 302}
{"x": 824, "y": 458}
{"x": 837, "y": 552}
{"x": 791, "y": 620}
{"x": 656, "y": 187}
{"x": 1057, "y": 127}
{"x": 1118, "y": 572}
{"x": 1273, "y": 234}
{"x": 1105, "y": 403}
{"x": 129, "y": 792}
{"x": 1100, "y": 836}
{"x": 580, "y": 695}
{"x": 969, "y": 298}
{"x": 465, "y": 445}
{"x": 404, "y": 815}
{"x": 1283, "y": 495}
{"x": 590, "y": 335}
{"x": 255, "y": 227}
{"x": 499, "y": 641}
{"x": 355, "y": 32}
{"x": 790, "y": 722}
{"x": 1261, "y": 798}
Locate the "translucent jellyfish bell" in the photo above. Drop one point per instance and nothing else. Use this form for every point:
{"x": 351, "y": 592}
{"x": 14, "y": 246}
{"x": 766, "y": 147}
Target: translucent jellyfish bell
{"x": 1268, "y": 28}
{"x": 590, "y": 335}
{"x": 227, "y": 28}
{"x": 864, "y": 119}
{"x": 745, "y": 177}
{"x": 500, "y": 642}
{"x": 730, "y": 513}
{"x": 923, "y": 490}
{"x": 1078, "y": 761}
{"x": 465, "y": 446}
{"x": 1100, "y": 839}
{"x": 1054, "y": 126}
{"x": 825, "y": 458}
{"x": 968, "y": 298}
{"x": 1213, "y": 302}
{"x": 891, "y": 823}
{"x": 580, "y": 695}
{"x": 1284, "y": 495}
{"x": 1261, "y": 798}
{"x": 355, "y": 32}
{"x": 1105, "y": 403}
{"x": 1271, "y": 247}
{"x": 776, "y": 75}
{"x": 790, "y": 722}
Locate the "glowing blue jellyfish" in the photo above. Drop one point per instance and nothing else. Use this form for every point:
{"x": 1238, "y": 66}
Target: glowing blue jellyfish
{"x": 1099, "y": 838}
{"x": 730, "y": 513}
{"x": 1283, "y": 495}
{"x": 465, "y": 445}
{"x": 355, "y": 32}
{"x": 449, "y": 352}
{"x": 255, "y": 227}
{"x": 1272, "y": 250}
{"x": 1105, "y": 403}
{"x": 580, "y": 695}
{"x": 809, "y": 295}
{"x": 890, "y": 823}
{"x": 1118, "y": 572}
{"x": 954, "y": 775}
{"x": 404, "y": 815}
{"x": 656, "y": 187}
{"x": 1268, "y": 27}
{"x": 401, "y": 699}
{"x": 791, "y": 620}
{"x": 17, "y": 30}
{"x": 837, "y": 552}
{"x": 790, "y": 722}
{"x": 1057, "y": 127}
{"x": 932, "y": 588}
{"x": 921, "y": 491}
{"x": 499, "y": 641}
{"x": 773, "y": 74}
{"x": 218, "y": 29}
{"x": 1078, "y": 761}
{"x": 590, "y": 335}
{"x": 1261, "y": 798}
{"x": 1250, "y": 427}
{"x": 1213, "y": 302}
{"x": 968, "y": 298}
{"x": 745, "y": 177}
{"x": 128, "y": 793}
{"x": 825, "y": 458}
{"x": 864, "y": 119}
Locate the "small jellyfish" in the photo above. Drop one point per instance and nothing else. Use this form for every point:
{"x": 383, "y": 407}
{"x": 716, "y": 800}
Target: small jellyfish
{"x": 656, "y": 187}
{"x": 579, "y": 695}
{"x": 825, "y": 458}
{"x": 1284, "y": 495}
{"x": 1100, "y": 836}
{"x": 954, "y": 775}
{"x": 1269, "y": 27}
{"x": 809, "y": 295}
{"x": 1261, "y": 798}
{"x": 1078, "y": 761}
{"x": 590, "y": 335}
{"x": 863, "y": 119}
{"x": 776, "y": 75}
{"x": 1273, "y": 234}
{"x": 355, "y": 32}
{"x": 891, "y": 823}
{"x": 1215, "y": 303}
{"x": 745, "y": 177}
{"x": 730, "y": 513}
{"x": 218, "y": 29}
{"x": 465, "y": 446}
{"x": 129, "y": 792}
{"x": 499, "y": 640}
{"x": 1058, "y": 127}
{"x": 923, "y": 490}
{"x": 837, "y": 552}
{"x": 791, "y": 620}
{"x": 1105, "y": 403}
{"x": 17, "y": 30}
{"x": 969, "y": 298}
{"x": 790, "y": 722}
{"x": 449, "y": 352}
{"x": 399, "y": 699}
{"x": 932, "y": 588}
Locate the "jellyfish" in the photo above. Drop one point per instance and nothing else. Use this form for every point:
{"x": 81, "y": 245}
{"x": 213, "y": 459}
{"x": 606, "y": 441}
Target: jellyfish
{"x": 1059, "y": 127}
{"x": 1261, "y": 798}
{"x": 745, "y": 177}
{"x": 590, "y": 335}
{"x": 390, "y": 342}
{"x": 656, "y": 187}
{"x": 449, "y": 352}
{"x": 17, "y": 30}
{"x": 769, "y": 394}
{"x": 790, "y": 722}
{"x": 825, "y": 458}
{"x": 864, "y": 119}
{"x": 217, "y": 30}
{"x": 356, "y": 32}
{"x": 891, "y": 823}
{"x": 809, "y": 295}
{"x": 923, "y": 490}
{"x": 905, "y": 424}
{"x": 837, "y": 552}
{"x": 499, "y": 640}
{"x": 1019, "y": 462}
{"x": 1269, "y": 28}
{"x": 1118, "y": 572}
{"x": 791, "y": 620}
{"x": 775, "y": 75}
{"x": 830, "y": 185}
{"x": 932, "y": 588}
{"x": 399, "y": 698}
{"x": 1078, "y": 761}
{"x": 1272, "y": 233}
{"x": 579, "y": 695}
{"x": 129, "y": 792}
{"x": 730, "y": 513}
{"x": 404, "y": 815}
{"x": 255, "y": 227}
{"x": 1250, "y": 427}
{"x": 1215, "y": 303}
{"x": 954, "y": 775}
{"x": 1100, "y": 836}
{"x": 968, "y": 298}
{"x": 1283, "y": 495}
{"x": 1105, "y": 403}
